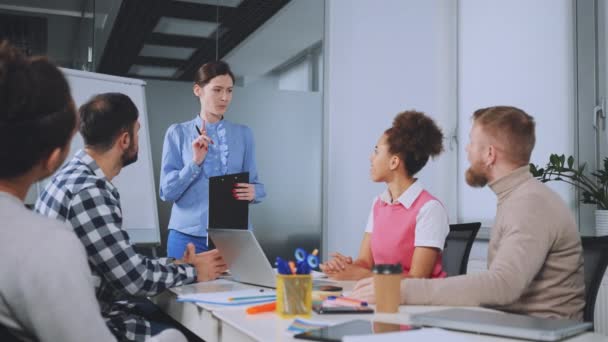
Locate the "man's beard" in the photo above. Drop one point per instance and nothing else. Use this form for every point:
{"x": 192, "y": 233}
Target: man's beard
{"x": 475, "y": 177}
{"x": 129, "y": 156}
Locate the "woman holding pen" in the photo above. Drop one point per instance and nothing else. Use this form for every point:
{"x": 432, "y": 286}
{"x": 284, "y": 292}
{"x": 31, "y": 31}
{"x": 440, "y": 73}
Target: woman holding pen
{"x": 406, "y": 224}
{"x": 203, "y": 147}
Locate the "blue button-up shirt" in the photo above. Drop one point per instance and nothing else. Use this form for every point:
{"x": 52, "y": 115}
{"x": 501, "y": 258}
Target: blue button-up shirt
{"x": 187, "y": 184}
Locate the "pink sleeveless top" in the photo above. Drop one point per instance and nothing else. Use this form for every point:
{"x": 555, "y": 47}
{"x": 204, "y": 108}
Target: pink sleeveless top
{"x": 394, "y": 233}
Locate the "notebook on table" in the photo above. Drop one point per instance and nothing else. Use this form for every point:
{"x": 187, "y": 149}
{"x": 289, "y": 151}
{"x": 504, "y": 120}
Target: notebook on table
{"x": 502, "y": 324}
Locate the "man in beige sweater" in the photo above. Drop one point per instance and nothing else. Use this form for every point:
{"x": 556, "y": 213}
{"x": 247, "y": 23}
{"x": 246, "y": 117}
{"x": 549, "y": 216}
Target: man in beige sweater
{"x": 535, "y": 263}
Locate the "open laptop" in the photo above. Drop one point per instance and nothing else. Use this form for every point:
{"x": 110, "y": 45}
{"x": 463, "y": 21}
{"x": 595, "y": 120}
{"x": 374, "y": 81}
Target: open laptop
{"x": 502, "y": 324}
{"x": 244, "y": 256}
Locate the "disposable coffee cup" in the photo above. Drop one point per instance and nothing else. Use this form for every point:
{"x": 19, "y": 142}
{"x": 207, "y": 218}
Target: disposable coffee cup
{"x": 381, "y": 327}
{"x": 387, "y": 285}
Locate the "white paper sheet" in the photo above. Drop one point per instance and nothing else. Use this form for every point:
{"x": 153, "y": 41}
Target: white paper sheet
{"x": 228, "y": 297}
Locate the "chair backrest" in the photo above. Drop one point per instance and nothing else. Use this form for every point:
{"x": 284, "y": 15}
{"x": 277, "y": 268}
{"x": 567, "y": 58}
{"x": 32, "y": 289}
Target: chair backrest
{"x": 595, "y": 254}
{"x": 7, "y": 335}
{"x": 458, "y": 247}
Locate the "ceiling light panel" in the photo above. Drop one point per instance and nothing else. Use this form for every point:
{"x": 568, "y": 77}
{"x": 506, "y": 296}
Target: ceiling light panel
{"x": 185, "y": 27}
{"x": 150, "y": 50}
{"x": 152, "y": 71}
{"x": 228, "y": 3}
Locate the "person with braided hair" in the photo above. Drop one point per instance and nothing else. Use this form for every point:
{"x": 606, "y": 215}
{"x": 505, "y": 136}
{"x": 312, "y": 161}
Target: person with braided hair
{"x": 406, "y": 223}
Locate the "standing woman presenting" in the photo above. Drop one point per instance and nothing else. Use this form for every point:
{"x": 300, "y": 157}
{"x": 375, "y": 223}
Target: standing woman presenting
{"x": 203, "y": 147}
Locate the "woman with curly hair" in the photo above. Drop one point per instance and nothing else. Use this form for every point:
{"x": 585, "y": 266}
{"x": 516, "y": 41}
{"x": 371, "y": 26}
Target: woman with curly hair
{"x": 406, "y": 223}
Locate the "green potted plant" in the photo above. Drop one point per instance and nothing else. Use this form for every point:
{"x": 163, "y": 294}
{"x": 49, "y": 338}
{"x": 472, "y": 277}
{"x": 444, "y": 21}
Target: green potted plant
{"x": 593, "y": 188}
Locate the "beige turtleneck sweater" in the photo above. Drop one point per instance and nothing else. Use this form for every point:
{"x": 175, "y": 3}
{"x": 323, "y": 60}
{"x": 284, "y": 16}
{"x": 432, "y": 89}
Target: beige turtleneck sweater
{"x": 535, "y": 263}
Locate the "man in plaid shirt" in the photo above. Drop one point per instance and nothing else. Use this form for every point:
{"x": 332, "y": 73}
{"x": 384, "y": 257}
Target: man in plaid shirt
{"x": 82, "y": 194}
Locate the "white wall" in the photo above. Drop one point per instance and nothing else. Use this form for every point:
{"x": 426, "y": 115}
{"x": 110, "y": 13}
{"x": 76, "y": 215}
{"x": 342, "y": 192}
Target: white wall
{"x": 516, "y": 53}
{"x": 383, "y": 60}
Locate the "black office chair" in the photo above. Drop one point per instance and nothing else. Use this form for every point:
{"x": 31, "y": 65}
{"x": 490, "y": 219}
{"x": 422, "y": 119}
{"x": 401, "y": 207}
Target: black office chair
{"x": 595, "y": 254}
{"x": 458, "y": 246}
{"x": 7, "y": 336}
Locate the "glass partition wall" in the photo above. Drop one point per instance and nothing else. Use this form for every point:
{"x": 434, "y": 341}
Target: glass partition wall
{"x": 61, "y": 29}
{"x": 591, "y": 138}
{"x": 279, "y": 96}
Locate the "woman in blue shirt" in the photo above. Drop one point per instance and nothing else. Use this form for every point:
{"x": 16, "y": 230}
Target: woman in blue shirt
{"x": 190, "y": 158}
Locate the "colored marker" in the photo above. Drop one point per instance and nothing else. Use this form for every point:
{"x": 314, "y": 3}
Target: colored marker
{"x": 232, "y": 299}
{"x": 268, "y": 307}
{"x": 348, "y": 301}
{"x": 292, "y": 266}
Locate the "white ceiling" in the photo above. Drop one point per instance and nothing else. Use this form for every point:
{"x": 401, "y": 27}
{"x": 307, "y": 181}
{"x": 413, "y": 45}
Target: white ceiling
{"x": 297, "y": 26}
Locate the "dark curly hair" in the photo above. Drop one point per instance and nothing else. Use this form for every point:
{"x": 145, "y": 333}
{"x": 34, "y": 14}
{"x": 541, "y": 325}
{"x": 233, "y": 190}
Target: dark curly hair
{"x": 37, "y": 114}
{"x": 414, "y": 137}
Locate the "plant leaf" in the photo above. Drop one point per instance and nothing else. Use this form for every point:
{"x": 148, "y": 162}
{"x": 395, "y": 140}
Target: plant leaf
{"x": 553, "y": 159}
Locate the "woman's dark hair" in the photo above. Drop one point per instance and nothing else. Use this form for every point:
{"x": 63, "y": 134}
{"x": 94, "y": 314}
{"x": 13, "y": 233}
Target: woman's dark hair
{"x": 104, "y": 117}
{"x": 208, "y": 71}
{"x": 414, "y": 137}
{"x": 37, "y": 113}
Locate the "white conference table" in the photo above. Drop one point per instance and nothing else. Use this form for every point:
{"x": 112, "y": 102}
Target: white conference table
{"x": 215, "y": 323}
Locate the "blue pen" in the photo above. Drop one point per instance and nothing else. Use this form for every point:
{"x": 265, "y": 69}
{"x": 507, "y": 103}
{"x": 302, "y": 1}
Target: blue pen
{"x": 282, "y": 266}
{"x": 300, "y": 268}
{"x": 279, "y": 264}
{"x": 311, "y": 259}
{"x": 303, "y": 268}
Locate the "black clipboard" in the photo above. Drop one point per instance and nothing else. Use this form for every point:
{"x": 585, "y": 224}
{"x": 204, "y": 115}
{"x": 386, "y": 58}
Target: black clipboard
{"x": 225, "y": 211}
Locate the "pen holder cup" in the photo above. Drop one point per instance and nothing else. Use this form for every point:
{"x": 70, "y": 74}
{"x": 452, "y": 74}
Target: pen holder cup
{"x": 294, "y": 295}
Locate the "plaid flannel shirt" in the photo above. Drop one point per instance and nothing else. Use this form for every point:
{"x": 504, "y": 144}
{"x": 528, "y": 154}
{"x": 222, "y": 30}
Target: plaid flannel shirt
{"x": 81, "y": 195}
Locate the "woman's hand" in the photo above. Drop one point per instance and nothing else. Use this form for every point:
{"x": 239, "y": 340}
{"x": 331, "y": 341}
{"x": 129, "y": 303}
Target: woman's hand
{"x": 364, "y": 290}
{"x": 336, "y": 264}
{"x": 351, "y": 272}
{"x": 200, "y": 147}
{"x": 244, "y": 192}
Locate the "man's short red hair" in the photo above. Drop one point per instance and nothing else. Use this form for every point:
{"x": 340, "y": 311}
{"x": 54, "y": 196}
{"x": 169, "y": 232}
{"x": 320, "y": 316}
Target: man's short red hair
{"x": 512, "y": 127}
